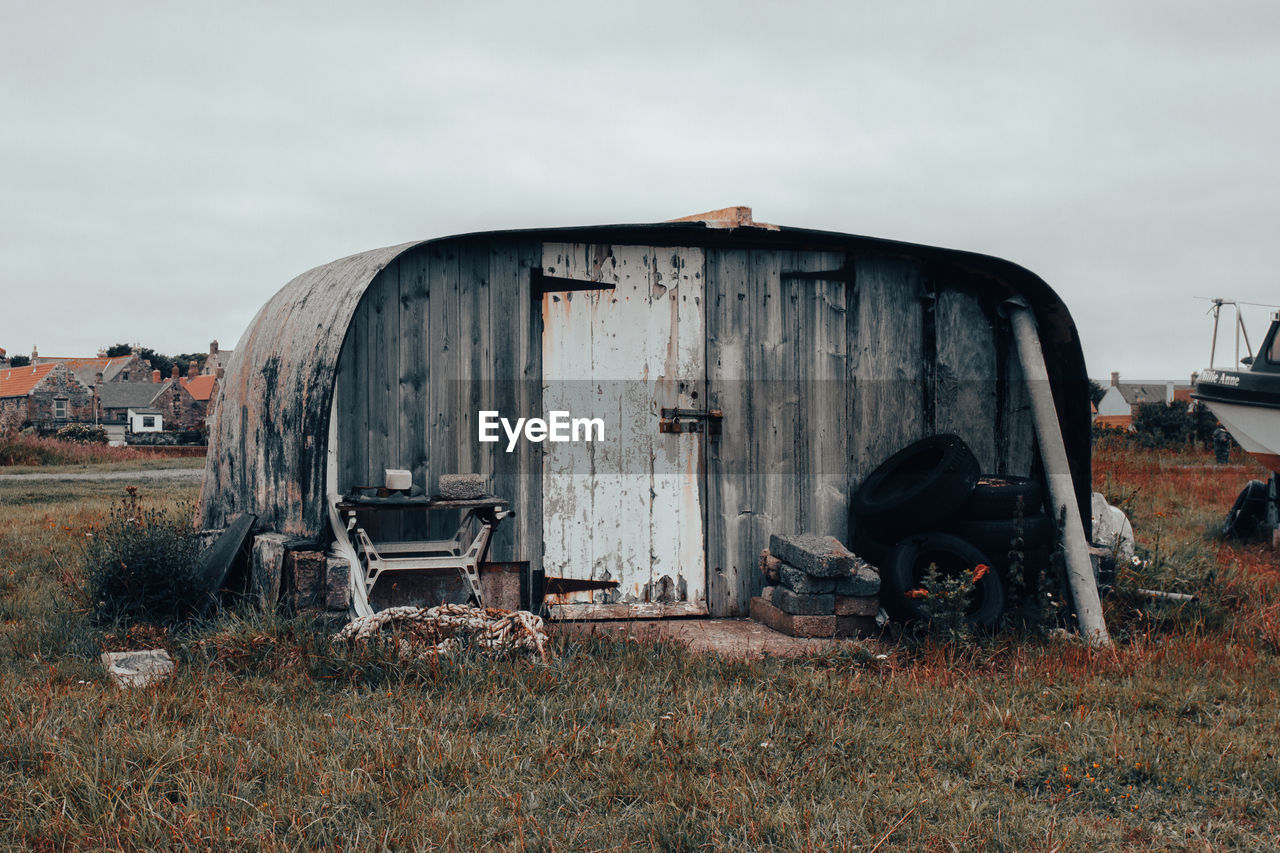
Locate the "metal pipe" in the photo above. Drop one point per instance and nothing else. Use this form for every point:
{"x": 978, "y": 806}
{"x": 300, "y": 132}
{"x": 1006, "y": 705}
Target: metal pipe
{"x": 1166, "y": 596}
{"x": 1062, "y": 490}
{"x": 1237, "y": 364}
{"x": 1240, "y": 322}
{"x": 1213, "y": 347}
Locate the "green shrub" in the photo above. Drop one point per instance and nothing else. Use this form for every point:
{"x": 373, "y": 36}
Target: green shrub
{"x": 82, "y": 434}
{"x": 945, "y": 600}
{"x": 142, "y": 565}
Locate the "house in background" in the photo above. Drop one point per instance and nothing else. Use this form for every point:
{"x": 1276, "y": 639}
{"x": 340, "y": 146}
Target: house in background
{"x": 185, "y": 399}
{"x": 54, "y": 391}
{"x": 45, "y": 396}
{"x": 1119, "y": 405}
{"x": 116, "y": 400}
{"x": 146, "y": 420}
{"x": 216, "y": 361}
{"x": 201, "y": 390}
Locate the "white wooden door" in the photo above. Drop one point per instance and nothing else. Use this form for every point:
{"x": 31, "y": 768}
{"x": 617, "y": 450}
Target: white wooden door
{"x": 627, "y": 508}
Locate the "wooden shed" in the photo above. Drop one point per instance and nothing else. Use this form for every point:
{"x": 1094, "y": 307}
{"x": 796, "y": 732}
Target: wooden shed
{"x": 823, "y": 353}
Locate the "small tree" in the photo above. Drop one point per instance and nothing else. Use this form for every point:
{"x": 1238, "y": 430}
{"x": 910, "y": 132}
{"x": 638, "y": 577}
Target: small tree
{"x": 1165, "y": 425}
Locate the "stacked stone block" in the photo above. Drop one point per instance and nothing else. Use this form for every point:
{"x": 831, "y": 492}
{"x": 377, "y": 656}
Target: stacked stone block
{"x": 816, "y": 587}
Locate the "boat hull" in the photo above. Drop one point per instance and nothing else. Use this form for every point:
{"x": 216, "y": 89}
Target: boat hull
{"x": 1248, "y": 405}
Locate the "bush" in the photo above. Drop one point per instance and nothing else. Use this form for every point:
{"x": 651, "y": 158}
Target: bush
{"x": 82, "y": 434}
{"x": 27, "y": 449}
{"x": 1169, "y": 426}
{"x": 142, "y": 565}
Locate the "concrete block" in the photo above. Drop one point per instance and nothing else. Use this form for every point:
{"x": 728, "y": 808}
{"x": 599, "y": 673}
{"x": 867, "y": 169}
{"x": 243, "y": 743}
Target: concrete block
{"x": 461, "y": 487}
{"x": 337, "y": 584}
{"x": 820, "y": 556}
{"x": 798, "y": 604}
{"x": 792, "y": 624}
{"x": 861, "y": 581}
{"x": 266, "y": 568}
{"x": 852, "y": 605}
{"x": 137, "y": 669}
{"x": 803, "y": 582}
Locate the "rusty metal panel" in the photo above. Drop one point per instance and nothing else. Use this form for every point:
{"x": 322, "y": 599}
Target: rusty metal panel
{"x": 267, "y": 445}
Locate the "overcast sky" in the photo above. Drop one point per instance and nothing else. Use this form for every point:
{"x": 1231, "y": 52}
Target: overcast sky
{"x": 168, "y": 166}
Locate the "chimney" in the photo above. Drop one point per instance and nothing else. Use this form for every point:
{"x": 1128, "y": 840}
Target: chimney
{"x": 35, "y": 354}
{"x": 1115, "y": 378}
{"x": 1168, "y": 393}
{"x": 218, "y": 373}
{"x": 155, "y": 376}
{"x": 97, "y": 378}
{"x": 175, "y": 373}
{"x": 193, "y": 369}
{"x": 1195, "y": 374}
{"x": 213, "y": 347}
{"x": 102, "y": 352}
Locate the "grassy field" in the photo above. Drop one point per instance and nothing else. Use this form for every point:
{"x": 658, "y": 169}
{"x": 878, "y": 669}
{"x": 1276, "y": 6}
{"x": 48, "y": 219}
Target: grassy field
{"x": 270, "y": 737}
{"x": 28, "y": 455}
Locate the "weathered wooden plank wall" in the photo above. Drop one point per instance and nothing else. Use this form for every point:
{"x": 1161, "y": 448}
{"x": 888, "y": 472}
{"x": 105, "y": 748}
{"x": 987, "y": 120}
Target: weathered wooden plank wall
{"x": 422, "y": 357}
{"x": 965, "y": 373}
{"x": 820, "y": 361}
{"x": 822, "y": 377}
{"x": 777, "y": 361}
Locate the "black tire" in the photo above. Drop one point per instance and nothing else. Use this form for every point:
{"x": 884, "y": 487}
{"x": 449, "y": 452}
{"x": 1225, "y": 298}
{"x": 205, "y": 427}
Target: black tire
{"x": 997, "y": 538}
{"x": 868, "y": 546}
{"x": 998, "y": 497}
{"x": 1247, "y": 512}
{"x": 909, "y": 562}
{"x": 917, "y": 487}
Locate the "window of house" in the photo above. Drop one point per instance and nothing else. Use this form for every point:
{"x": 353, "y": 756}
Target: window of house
{"x": 124, "y": 376}
{"x": 148, "y": 422}
{"x": 59, "y": 409}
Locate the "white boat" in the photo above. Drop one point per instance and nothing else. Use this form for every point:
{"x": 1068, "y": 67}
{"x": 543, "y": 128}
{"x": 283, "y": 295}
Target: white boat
{"x": 1246, "y": 399}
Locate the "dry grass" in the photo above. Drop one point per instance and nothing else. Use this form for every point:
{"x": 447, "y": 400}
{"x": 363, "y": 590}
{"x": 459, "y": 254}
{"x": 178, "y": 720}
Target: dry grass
{"x": 270, "y": 737}
{"x": 20, "y": 453}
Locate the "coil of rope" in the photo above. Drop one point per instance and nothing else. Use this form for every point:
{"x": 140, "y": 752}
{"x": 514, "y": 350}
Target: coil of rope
{"x": 447, "y": 628}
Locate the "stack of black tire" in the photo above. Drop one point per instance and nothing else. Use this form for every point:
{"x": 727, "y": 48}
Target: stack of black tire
{"x": 928, "y": 504}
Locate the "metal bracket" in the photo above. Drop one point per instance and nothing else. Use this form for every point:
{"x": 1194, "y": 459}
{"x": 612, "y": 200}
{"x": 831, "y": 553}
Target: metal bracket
{"x": 691, "y": 420}
{"x": 543, "y": 284}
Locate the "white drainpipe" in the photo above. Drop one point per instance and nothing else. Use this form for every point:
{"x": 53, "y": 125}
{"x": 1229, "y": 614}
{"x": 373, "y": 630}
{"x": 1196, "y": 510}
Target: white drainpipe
{"x": 1062, "y": 491}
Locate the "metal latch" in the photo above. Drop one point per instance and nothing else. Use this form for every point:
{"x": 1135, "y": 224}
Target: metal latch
{"x": 691, "y": 420}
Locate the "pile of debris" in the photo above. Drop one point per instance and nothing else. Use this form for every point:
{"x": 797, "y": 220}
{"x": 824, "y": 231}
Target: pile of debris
{"x": 421, "y": 632}
{"x": 816, "y": 587}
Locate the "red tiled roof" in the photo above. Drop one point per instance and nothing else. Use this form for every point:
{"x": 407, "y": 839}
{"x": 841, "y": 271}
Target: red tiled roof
{"x": 200, "y": 388}
{"x": 18, "y": 381}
